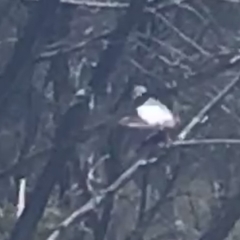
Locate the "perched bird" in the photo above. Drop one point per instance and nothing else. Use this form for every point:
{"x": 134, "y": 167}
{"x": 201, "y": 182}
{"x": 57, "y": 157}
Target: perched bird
{"x": 152, "y": 114}
{"x": 156, "y": 114}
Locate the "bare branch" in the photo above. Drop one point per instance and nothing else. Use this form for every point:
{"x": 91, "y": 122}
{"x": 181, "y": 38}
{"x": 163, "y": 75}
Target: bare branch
{"x": 199, "y": 117}
{"x": 181, "y": 34}
{"x": 96, "y": 201}
{"x": 198, "y": 142}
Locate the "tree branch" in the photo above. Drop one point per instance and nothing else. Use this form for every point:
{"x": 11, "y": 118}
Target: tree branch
{"x": 196, "y": 120}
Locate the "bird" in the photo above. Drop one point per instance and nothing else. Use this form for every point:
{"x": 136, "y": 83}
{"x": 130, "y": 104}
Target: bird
{"x": 152, "y": 115}
{"x": 156, "y": 114}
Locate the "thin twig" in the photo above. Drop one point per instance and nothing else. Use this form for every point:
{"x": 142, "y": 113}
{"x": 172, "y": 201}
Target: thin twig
{"x": 196, "y": 142}
{"x": 97, "y": 4}
{"x": 115, "y": 4}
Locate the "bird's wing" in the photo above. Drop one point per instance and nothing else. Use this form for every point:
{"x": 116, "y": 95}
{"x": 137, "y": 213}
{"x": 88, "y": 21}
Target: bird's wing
{"x": 154, "y": 114}
{"x": 134, "y": 122}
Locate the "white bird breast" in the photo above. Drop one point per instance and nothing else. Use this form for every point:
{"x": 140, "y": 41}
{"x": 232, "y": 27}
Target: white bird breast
{"x": 155, "y": 114}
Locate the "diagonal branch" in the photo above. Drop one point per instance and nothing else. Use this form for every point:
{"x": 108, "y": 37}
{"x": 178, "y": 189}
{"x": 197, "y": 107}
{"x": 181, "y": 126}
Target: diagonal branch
{"x": 96, "y": 201}
{"x": 196, "y": 120}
